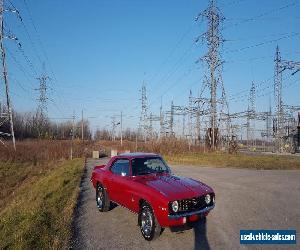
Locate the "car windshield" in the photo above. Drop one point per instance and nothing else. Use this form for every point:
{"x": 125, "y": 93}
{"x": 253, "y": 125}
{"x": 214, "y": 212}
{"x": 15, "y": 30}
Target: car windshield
{"x": 149, "y": 165}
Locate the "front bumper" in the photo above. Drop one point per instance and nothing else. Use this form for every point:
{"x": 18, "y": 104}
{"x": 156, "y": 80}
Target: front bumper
{"x": 188, "y": 214}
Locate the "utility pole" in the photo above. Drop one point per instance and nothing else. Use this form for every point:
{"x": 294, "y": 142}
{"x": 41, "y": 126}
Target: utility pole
{"x": 82, "y": 138}
{"x": 72, "y": 138}
{"x": 298, "y": 134}
{"x": 183, "y": 125}
{"x": 213, "y": 60}
{"x": 113, "y": 128}
{"x": 114, "y": 125}
{"x": 3, "y": 59}
{"x": 121, "y": 128}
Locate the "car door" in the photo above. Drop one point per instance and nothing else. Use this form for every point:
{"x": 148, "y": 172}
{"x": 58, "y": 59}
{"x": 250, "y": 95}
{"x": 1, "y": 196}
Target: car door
{"x": 120, "y": 181}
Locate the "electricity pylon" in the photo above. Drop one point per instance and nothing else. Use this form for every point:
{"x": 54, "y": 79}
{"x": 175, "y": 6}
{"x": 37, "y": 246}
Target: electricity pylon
{"x": 8, "y": 115}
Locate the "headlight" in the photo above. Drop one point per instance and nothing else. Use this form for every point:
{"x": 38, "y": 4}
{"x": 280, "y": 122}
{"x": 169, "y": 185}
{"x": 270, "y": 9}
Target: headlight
{"x": 175, "y": 206}
{"x": 207, "y": 199}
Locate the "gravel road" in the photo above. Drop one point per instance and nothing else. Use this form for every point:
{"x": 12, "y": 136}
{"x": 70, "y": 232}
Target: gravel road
{"x": 245, "y": 199}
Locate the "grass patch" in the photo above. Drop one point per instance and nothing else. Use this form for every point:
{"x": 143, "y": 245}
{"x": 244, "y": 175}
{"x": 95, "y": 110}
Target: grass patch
{"x": 236, "y": 161}
{"x": 39, "y": 214}
{"x": 15, "y": 175}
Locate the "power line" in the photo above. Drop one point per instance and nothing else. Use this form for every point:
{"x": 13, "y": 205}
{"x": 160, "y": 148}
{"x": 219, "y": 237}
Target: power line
{"x": 263, "y": 14}
{"x": 172, "y": 51}
{"x": 173, "y": 70}
{"x": 27, "y": 34}
{"x": 263, "y": 43}
{"x": 53, "y": 78}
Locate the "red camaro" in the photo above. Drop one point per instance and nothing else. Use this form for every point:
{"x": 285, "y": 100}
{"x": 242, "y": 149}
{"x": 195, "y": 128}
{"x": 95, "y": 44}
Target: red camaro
{"x": 144, "y": 184}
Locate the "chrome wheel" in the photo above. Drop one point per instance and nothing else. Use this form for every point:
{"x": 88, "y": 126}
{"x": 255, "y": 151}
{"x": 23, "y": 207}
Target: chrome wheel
{"x": 99, "y": 197}
{"x": 146, "y": 222}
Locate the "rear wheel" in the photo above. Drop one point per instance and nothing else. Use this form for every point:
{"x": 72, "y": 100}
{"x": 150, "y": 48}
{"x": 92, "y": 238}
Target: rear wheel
{"x": 102, "y": 199}
{"x": 148, "y": 223}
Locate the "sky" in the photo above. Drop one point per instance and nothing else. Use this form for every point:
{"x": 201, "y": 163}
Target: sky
{"x": 99, "y": 53}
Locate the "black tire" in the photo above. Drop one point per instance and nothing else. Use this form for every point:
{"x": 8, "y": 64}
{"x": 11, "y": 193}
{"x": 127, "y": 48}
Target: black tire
{"x": 148, "y": 223}
{"x": 102, "y": 199}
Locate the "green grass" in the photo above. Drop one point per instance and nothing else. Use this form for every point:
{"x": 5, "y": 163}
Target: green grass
{"x": 38, "y": 214}
{"x": 236, "y": 161}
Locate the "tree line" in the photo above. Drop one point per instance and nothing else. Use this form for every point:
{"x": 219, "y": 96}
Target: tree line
{"x": 33, "y": 125}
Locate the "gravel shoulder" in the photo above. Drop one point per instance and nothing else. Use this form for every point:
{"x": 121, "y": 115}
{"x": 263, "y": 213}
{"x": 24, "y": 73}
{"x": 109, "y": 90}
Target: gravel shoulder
{"x": 245, "y": 199}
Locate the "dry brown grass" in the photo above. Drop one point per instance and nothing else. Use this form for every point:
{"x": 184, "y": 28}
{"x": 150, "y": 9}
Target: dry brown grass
{"x": 39, "y": 151}
{"x": 165, "y": 146}
{"x": 279, "y": 162}
{"x": 38, "y": 191}
{"x": 177, "y": 152}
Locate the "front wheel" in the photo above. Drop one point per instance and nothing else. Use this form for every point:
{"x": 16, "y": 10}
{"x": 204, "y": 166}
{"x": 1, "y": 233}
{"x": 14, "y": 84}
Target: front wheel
{"x": 148, "y": 223}
{"x": 102, "y": 199}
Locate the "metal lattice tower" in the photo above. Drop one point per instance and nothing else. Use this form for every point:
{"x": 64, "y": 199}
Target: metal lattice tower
{"x": 251, "y": 116}
{"x": 212, "y": 58}
{"x": 162, "y": 122}
{"x": 190, "y": 117}
{"x": 8, "y": 115}
{"x": 279, "y": 130}
{"x": 172, "y": 119}
{"x": 41, "y": 114}
{"x": 280, "y": 119}
{"x": 198, "y": 124}
{"x": 143, "y": 126}
{"x": 42, "y": 100}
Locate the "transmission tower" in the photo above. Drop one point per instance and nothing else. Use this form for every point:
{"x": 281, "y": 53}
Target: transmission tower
{"x": 212, "y": 58}
{"x": 8, "y": 116}
{"x": 280, "y": 66}
{"x": 251, "y": 114}
{"x": 190, "y": 118}
{"x": 143, "y": 126}
{"x": 172, "y": 119}
{"x": 279, "y": 129}
{"x": 42, "y": 102}
{"x": 162, "y": 122}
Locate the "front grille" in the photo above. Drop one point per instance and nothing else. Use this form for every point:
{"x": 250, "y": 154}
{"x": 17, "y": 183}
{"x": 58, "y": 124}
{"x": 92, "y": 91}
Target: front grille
{"x": 190, "y": 205}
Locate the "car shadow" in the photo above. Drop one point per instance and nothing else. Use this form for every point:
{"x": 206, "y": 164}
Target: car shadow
{"x": 199, "y": 228}
{"x": 112, "y": 206}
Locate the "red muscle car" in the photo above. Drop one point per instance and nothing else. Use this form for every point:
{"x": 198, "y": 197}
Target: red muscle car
{"x": 143, "y": 183}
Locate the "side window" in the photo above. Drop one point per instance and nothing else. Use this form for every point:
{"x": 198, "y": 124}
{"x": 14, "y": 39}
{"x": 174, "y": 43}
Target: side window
{"x": 121, "y": 167}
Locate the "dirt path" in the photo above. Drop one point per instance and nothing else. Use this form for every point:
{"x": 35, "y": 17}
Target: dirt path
{"x": 245, "y": 199}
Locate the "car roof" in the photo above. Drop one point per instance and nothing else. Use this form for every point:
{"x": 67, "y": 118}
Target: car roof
{"x": 137, "y": 155}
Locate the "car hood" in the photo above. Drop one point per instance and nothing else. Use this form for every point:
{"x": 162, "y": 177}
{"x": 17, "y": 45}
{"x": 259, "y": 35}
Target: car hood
{"x": 175, "y": 187}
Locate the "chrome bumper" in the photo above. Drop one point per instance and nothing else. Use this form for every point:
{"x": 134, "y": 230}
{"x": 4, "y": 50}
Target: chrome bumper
{"x": 198, "y": 212}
